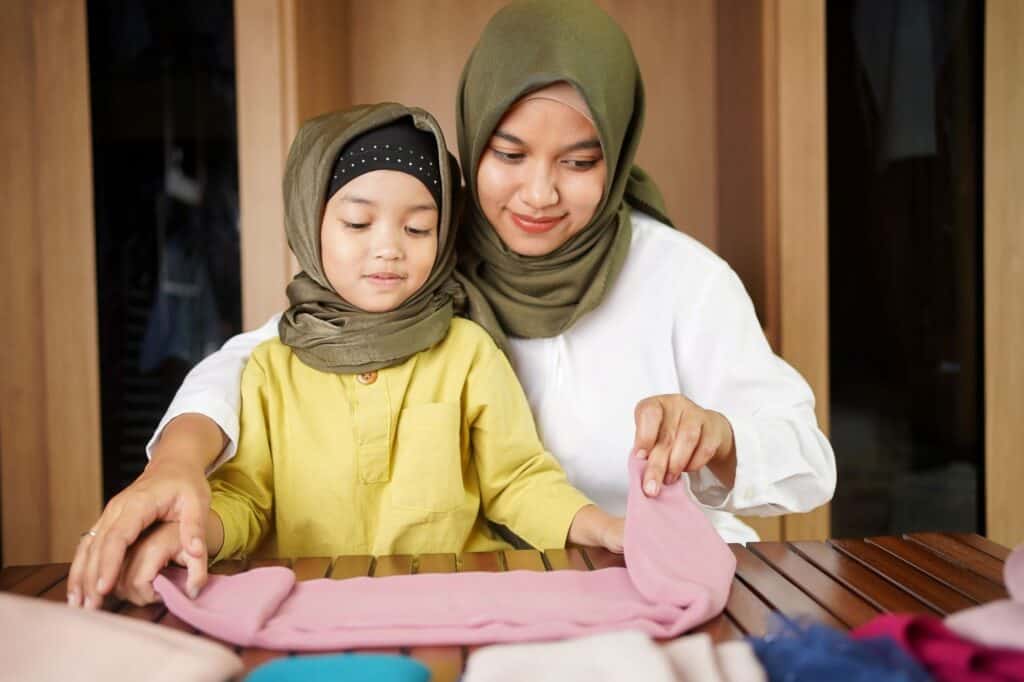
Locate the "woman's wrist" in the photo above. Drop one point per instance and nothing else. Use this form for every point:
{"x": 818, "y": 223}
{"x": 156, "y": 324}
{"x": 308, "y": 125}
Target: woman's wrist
{"x": 589, "y": 525}
{"x": 193, "y": 440}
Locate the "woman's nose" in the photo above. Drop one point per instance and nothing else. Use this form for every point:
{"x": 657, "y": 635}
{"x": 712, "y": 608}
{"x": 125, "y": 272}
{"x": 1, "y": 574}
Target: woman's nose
{"x": 538, "y": 189}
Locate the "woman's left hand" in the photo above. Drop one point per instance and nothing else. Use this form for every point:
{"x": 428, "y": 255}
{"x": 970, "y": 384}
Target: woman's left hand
{"x": 676, "y": 435}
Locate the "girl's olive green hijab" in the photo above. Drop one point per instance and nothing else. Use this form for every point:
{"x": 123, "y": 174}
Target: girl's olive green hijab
{"x": 527, "y": 46}
{"x": 326, "y": 331}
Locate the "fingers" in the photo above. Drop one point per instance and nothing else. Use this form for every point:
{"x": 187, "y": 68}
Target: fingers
{"x": 192, "y": 538}
{"x": 687, "y": 436}
{"x": 114, "y": 533}
{"x": 648, "y": 416}
{"x": 142, "y": 564}
{"x": 75, "y": 574}
{"x": 657, "y": 460}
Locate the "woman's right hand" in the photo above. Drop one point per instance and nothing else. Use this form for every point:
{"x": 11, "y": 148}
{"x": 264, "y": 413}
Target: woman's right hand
{"x": 172, "y": 488}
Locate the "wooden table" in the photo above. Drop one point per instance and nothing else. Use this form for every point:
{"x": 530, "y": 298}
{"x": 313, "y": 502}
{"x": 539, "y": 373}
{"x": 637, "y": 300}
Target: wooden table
{"x": 840, "y": 582}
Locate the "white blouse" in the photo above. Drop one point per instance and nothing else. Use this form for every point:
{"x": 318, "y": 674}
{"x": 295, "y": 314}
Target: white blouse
{"x": 676, "y": 320}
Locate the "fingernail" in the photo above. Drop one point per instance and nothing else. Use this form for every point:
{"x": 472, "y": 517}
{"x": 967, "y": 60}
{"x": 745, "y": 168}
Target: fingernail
{"x": 651, "y": 487}
{"x": 193, "y": 592}
{"x": 88, "y": 602}
{"x": 101, "y": 586}
{"x": 641, "y": 454}
{"x": 72, "y": 599}
{"x": 196, "y": 545}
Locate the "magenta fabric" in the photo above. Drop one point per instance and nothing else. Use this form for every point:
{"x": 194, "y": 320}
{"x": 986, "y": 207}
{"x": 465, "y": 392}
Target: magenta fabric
{"x": 947, "y": 656}
{"x": 679, "y": 576}
{"x": 999, "y": 623}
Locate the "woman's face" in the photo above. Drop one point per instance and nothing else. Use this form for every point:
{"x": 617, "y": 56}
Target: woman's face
{"x": 542, "y": 176}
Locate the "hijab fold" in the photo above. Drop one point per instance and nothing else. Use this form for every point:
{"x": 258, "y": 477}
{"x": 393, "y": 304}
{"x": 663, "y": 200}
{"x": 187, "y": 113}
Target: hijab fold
{"x": 324, "y": 330}
{"x": 527, "y": 46}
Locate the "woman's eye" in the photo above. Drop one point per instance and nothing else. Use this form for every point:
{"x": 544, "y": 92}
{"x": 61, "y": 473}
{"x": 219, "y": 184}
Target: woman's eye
{"x": 417, "y": 232}
{"x": 581, "y": 164}
{"x": 509, "y": 157}
{"x": 354, "y": 226}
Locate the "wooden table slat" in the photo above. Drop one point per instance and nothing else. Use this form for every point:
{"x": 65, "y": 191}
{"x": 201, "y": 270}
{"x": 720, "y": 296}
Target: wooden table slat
{"x": 435, "y": 563}
{"x": 831, "y": 595}
{"x": 524, "y": 560}
{"x": 747, "y": 610}
{"x": 940, "y": 597}
{"x": 967, "y": 583}
{"x": 400, "y": 564}
{"x": 982, "y": 544}
{"x": 11, "y": 575}
{"x": 40, "y": 580}
{"x": 351, "y": 567}
{"x": 266, "y": 563}
{"x": 480, "y": 561}
{"x": 599, "y": 558}
{"x": 875, "y": 589}
{"x": 566, "y": 559}
{"x": 961, "y": 554}
{"x": 776, "y": 590}
{"x": 59, "y": 593}
{"x": 311, "y": 568}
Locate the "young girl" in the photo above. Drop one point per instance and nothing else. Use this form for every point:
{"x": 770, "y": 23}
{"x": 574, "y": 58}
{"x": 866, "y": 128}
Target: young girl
{"x": 377, "y": 423}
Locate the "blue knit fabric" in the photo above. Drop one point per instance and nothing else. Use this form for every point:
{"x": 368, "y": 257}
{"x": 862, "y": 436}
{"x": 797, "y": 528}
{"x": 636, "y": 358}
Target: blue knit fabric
{"x": 341, "y": 668}
{"x": 799, "y": 652}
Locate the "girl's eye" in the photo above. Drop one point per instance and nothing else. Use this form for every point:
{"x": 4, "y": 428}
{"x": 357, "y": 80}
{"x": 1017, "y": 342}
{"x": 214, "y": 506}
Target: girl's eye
{"x": 508, "y": 157}
{"x": 417, "y": 232}
{"x": 581, "y": 164}
{"x": 354, "y": 226}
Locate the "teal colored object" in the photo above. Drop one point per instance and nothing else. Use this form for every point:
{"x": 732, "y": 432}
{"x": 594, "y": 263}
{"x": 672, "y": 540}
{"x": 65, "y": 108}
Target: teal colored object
{"x": 341, "y": 668}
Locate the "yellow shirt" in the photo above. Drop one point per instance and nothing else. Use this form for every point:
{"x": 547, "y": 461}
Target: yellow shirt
{"x": 408, "y": 463}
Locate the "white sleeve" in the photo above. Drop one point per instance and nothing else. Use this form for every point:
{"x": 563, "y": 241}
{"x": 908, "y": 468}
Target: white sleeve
{"x": 213, "y": 388}
{"x": 785, "y": 464}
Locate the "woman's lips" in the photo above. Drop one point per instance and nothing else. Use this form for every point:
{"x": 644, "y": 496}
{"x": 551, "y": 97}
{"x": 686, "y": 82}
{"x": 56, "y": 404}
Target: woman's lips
{"x": 535, "y": 225}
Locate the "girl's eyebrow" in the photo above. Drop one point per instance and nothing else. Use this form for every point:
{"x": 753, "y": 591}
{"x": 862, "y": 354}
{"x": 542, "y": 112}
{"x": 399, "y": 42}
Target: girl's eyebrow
{"x": 354, "y": 199}
{"x": 592, "y": 143}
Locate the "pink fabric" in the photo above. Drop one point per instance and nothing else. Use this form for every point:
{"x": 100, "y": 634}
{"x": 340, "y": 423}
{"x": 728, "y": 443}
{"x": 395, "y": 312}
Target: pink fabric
{"x": 946, "y": 655}
{"x": 679, "y": 576}
{"x": 999, "y": 623}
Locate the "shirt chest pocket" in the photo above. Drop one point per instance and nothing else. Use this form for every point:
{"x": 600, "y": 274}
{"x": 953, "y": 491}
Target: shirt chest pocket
{"x": 427, "y": 461}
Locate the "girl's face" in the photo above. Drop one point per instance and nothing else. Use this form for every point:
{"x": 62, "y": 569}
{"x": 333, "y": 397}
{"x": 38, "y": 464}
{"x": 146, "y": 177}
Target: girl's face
{"x": 541, "y": 177}
{"x": 378, "y": 239}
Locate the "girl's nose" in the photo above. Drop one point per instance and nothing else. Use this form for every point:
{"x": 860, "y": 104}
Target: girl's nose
{"x": 388, "y": 244}
{"x": 539, "y": 190}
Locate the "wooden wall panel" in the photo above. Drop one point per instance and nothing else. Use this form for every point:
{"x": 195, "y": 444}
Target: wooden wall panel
{"x": 802, "y": 215}
{"x": 50, "y": 471}
{"x": 1004, "y": 270}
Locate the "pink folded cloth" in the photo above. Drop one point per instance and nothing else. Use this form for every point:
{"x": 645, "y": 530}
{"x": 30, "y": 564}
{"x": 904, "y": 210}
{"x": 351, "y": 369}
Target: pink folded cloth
{"x": 44, "y": 641}
{"x": 999, "y": 623}
{"x": 679, "y": 576}
{"x": 947, "y": 656}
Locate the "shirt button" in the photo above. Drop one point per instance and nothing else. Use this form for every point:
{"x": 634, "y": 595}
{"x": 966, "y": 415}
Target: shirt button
{"x": 367, "y": 378}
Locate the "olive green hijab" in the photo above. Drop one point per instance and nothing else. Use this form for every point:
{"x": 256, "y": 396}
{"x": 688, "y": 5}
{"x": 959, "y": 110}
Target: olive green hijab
{"x": 324, "y": 330}
{"x": 525, "y": 47}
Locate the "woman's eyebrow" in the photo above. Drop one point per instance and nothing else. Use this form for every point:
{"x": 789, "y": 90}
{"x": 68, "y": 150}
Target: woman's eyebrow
{"x": 509, "y": 137}
{"x": 592, "y": 143}
{"x": 353, "y": 199}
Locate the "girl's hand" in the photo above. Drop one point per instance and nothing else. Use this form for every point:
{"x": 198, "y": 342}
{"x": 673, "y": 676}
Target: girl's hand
{"x": 676, "y": 435}
{"x": 614, "y": 533}
{"x": 146, "y": 558}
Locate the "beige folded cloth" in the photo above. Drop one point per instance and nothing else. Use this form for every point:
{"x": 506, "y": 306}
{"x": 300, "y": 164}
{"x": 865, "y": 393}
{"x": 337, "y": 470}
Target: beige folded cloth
{"x": 695, "y": 658}
{"x": 44, "y": 641}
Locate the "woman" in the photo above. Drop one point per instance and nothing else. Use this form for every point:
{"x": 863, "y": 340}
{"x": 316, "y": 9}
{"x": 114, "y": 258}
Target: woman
{"x": 628, "y": 336}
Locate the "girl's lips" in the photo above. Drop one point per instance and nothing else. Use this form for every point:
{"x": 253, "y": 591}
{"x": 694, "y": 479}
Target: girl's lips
{"x": 534, "y": 225}
{"x": 385, "y": 278}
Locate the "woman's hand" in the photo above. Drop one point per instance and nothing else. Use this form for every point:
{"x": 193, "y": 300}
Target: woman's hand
{"x": 676, "y": 435}
{"x": 172, "y": 488}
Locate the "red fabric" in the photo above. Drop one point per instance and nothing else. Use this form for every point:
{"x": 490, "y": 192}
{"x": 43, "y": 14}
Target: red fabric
{"x": 679, "y": 576}
{"x": 947, "y": 656}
